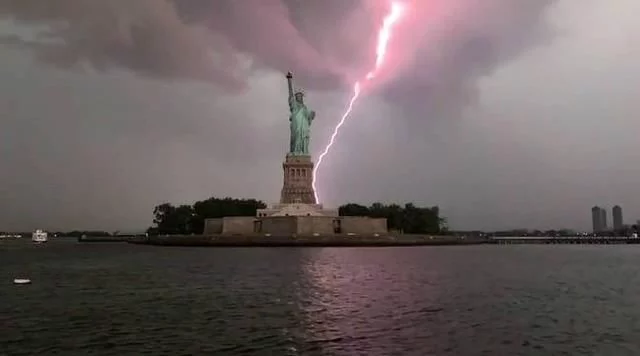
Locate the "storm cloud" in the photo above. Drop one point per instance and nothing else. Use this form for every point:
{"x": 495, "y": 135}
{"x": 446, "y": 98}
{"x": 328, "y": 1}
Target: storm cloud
{"x": 327, "y": 44}
{"x": 179, "y": 100}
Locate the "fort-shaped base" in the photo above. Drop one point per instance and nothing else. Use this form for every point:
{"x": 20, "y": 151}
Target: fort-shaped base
{"x": 297, "y": 209}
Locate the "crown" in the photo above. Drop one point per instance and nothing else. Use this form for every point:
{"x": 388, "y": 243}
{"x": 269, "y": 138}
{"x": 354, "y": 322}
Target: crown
{"x": 300, "y": 91}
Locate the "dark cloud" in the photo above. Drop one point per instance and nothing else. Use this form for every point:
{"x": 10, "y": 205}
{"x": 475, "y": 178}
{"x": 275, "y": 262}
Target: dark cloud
{"x": 196, "y": 40}
{"x": 326, "y": 43}
{"x": 441, "y": 53}
{"x": 147, "y": 36}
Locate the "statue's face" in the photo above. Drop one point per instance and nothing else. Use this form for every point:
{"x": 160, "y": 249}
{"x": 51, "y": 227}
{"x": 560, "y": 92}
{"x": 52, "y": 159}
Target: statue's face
{"x": 299, "y": 97}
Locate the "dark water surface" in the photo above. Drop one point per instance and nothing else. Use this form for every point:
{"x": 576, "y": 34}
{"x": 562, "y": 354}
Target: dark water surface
{"x": 119, "y": 299}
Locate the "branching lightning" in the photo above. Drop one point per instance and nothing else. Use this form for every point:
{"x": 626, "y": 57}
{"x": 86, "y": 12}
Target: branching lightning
{"x": 384, "y": 34}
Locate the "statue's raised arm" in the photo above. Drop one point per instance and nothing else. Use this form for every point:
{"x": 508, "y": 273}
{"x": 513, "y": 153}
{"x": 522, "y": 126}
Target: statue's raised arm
{"x": 291, "y": 96}
{"x": 290, "y": 83}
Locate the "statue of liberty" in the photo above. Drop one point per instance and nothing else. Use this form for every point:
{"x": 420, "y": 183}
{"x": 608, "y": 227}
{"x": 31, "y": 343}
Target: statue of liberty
{"x": 300, "y": 118}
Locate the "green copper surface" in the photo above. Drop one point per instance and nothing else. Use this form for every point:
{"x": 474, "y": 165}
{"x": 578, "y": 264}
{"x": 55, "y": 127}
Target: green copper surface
{"x": 300, "y": 118}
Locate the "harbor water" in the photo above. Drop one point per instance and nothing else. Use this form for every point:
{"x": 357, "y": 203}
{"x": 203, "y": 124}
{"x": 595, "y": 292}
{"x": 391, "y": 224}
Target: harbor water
{"x": 123, "y": 299}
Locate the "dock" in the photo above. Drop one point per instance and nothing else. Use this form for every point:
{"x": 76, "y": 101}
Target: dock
{"x": 577, "y": 240}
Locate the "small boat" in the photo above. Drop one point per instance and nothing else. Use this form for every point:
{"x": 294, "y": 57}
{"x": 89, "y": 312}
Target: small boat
{"x": 39, "y": 236}
{"x": 21, "y": 281}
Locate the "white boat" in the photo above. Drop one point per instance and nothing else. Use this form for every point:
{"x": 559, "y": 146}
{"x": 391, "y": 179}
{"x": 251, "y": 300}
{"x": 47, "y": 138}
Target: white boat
{"x": 21, "y": 281}
{"x": 39, "y": 236}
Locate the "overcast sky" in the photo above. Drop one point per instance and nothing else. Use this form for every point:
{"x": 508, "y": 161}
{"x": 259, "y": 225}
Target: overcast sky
{"x": 504, "y": 113}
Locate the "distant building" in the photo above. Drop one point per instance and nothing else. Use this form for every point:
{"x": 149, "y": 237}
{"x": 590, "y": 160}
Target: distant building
{"x": 599, "y": 219}
{"x": 595, "y": 219}
{"x": 618, "y": 223}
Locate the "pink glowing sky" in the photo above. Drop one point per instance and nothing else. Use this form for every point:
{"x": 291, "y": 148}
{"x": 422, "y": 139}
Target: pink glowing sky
{"x": 393, "y": 17}
{"x": 504, "y": 113}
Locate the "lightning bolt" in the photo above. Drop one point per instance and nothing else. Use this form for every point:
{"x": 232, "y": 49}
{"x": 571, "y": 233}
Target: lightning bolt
{"x": 384, "y": 35}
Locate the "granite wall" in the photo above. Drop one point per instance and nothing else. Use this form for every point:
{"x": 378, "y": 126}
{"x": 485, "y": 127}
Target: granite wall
{"x": 238, "y": 225}
{"x": 279, "y": 225}
{"x": 295, "y": 225}
{"x": 309, "y": 225}
{"x": 363, "y": 225}
{"x": 212, "y": 226}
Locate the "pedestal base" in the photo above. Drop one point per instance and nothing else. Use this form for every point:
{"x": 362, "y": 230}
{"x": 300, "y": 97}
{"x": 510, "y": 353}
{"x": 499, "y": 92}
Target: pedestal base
{"x": 297, "y": 197}
{"x": 297, "y": 185}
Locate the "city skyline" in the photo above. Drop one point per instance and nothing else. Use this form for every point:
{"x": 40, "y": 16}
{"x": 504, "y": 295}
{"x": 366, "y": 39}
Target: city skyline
{"x": 599, "y": 219}
{"x": 505, "y": 115}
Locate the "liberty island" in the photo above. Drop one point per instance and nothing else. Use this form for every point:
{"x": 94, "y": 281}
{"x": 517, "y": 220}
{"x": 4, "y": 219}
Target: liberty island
{"x": 297, "y": 219}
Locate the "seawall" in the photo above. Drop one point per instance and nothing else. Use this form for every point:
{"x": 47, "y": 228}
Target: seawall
{"x": 104, "y": 238}
{"x": 303, "y": 241}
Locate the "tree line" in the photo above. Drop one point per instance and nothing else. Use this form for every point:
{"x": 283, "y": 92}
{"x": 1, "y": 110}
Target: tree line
{"x": 189, "y": 219}
{"x": 409, "y": 219}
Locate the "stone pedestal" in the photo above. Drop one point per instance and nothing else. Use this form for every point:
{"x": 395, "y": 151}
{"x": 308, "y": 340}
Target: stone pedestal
{"x": 297, "y": 187}
{"x": 297, "y": 197}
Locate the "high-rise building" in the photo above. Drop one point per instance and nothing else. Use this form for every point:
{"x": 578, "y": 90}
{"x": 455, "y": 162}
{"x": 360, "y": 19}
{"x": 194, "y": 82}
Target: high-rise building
{"x": 599, "y": 219}
{"x": 618, "y": 224}
{"x": 596, "y": 218}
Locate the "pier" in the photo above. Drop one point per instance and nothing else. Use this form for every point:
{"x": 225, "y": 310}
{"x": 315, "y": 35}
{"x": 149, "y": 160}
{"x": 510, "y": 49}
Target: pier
{"x": 574, "y": 240}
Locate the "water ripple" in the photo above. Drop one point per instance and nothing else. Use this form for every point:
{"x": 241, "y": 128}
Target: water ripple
{"x": 118, "y": 299}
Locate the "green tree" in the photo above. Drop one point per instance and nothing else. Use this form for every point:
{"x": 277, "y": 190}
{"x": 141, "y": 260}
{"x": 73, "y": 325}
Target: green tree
{"x": 189, "y": 219}
{"x": 169, "y": 219}
{"x": 409, "y": 219}
{"x": 218, "y": 208}
{"x": 353, "y": 210}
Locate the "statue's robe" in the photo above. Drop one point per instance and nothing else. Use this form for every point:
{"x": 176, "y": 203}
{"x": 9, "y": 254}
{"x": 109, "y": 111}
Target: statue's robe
{"x": 300, "y": 119}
